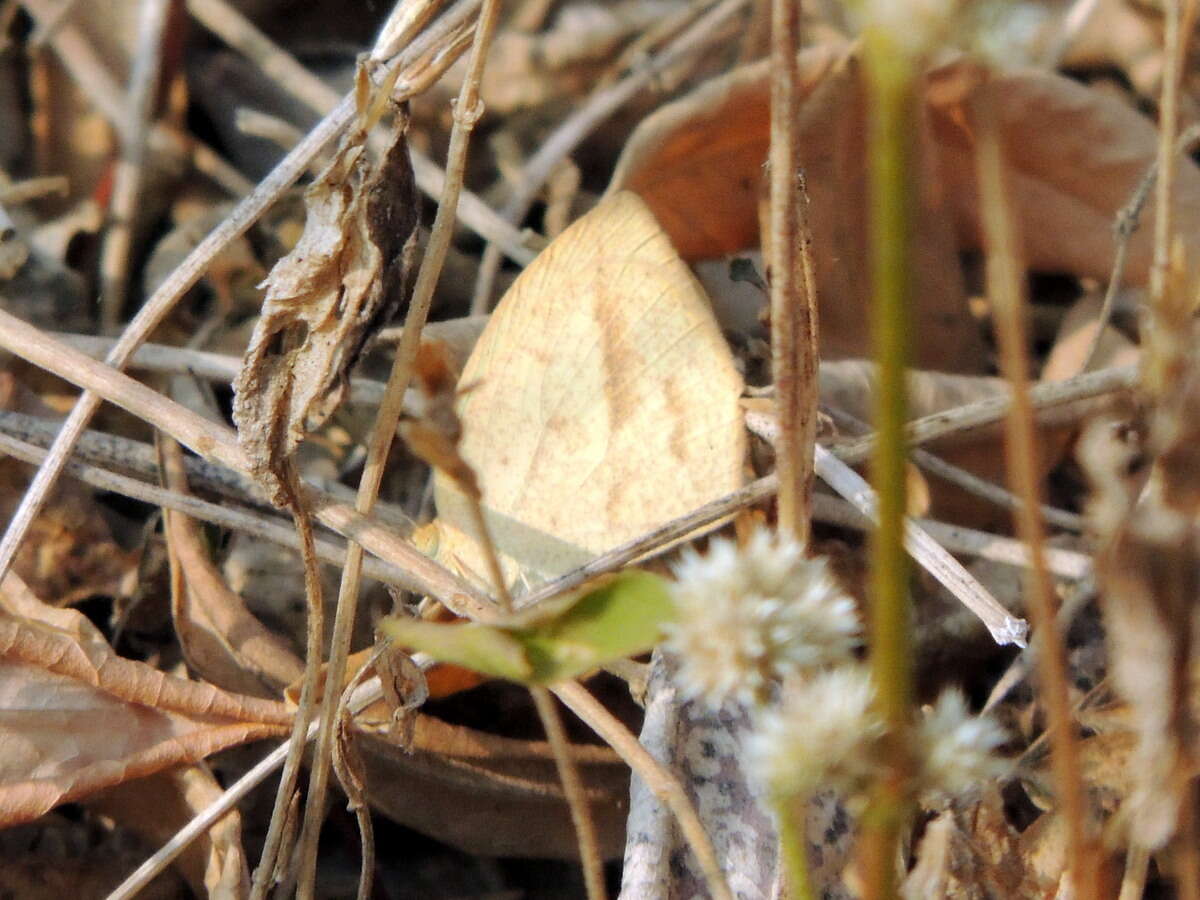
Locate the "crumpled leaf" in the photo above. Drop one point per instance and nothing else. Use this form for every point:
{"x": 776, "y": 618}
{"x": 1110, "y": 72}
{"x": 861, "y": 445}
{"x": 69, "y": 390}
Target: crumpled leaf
{"x": 78, "y": 718}
{"x": 556, "y": 640}
{"x": 975, "y": 853}
{"x": 600, "y": 401}
{"x": 343, "y": 281}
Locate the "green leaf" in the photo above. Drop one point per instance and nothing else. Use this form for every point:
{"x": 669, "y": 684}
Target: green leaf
{"x": 620, "y": 618}
{"x": 560, "y": 640}
{"x": 482, "y": 648}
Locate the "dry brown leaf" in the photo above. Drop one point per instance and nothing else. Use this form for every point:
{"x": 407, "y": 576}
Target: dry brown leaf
{"x": 974, "y": 854}
{"x": 157, "y": 806}
{"x": 220, "y": 638}
{"x": 70, "y": 553}
{"x": 491, "y": 795}
{"x": 343, "y": 281}
{"x": 1076, "y": 155}
{"x": 698, "y": 164}
{"x": 80, "y": 718}
{"x": 600, "y": 401}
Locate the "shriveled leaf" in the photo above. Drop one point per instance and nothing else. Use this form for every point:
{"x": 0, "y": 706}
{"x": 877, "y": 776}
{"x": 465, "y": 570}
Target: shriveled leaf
{"x": 342, "y": 282}
{"x": 79, "y": 718}
{"x": 622, "y": 617}
{"x": 601, "y": 401}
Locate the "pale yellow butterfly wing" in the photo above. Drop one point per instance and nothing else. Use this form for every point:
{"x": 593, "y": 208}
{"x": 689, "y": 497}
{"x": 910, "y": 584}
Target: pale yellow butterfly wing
{"x": 601, "y": 400}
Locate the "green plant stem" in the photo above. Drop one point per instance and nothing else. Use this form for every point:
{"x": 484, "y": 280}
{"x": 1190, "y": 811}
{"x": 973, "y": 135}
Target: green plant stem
{"x": 892, "y": 153}
{"x": 793, "y": 845}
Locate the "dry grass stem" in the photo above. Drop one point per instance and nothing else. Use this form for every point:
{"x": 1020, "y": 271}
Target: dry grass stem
{"x": 661, "y": 782}
{"x": 573, "y": 790}
{"x": 467, "y": 112}
{"x": 794, "y": 352}
{"x": 130, "y": 168}
{"x": 1174, "y": 45}
{"x": 289, "y": 74}
{"x": 1005, "y": 277}
{"x": 278, "y": 838}
{"x": 239, "y": 520}
{"x": 1124, "y": 227}
{"x": 971, "y": 482}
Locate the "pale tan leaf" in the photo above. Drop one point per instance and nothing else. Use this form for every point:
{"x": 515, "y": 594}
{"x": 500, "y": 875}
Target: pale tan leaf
{"x": 342, "y": 282}
{"x": 600, "y": 401}
{"x": 78, "y": 718}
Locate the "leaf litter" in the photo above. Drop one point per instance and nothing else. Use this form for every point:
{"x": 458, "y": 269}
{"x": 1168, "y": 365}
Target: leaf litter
{"x": 603, "y": 399}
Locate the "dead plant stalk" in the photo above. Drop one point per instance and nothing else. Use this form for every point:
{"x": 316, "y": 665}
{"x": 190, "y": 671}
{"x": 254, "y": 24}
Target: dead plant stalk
{"x": 1004, "y": 280}
{"x": 794, "y": 351}
{"x": 128, "y": 175}
{"x": 466, "y": 113}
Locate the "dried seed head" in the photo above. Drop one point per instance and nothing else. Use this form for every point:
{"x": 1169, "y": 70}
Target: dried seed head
{"x": 957, "y": 749}
{"x": 821, "y": 735}
{"x": 752, "y": 616}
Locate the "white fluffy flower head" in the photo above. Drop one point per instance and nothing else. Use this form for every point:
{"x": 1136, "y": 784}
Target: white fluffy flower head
{"x": 915, "y": 26}
{"x": 753, "y": 616}
{"x": 957, "y": 748}
{"x": 821, "y": 735}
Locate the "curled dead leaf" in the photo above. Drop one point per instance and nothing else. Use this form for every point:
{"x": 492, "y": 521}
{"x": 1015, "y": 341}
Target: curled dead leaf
{"x": 343, "y": 281}
{"x": 80, "y": 718}
{"x": 221, "y": 639}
